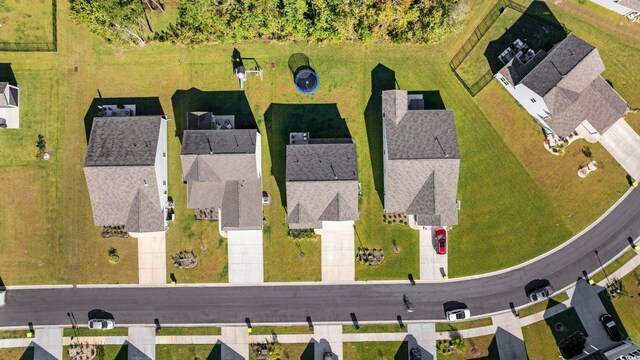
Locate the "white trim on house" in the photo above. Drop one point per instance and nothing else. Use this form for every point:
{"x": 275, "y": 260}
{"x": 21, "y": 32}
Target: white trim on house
{"x": 160, "y": 166}
{"x": 11, "y": 113}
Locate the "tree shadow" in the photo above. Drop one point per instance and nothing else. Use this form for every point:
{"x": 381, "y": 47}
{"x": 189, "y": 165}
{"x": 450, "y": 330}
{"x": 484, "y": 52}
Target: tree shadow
{"x": 6, "y": 74}
{"x": 319, "y": 120}
{"x": 145, "y": 106}
{"x": 537, "y": 27}
{"x": 217, "y": 102}
{"x": 382, "y": 78}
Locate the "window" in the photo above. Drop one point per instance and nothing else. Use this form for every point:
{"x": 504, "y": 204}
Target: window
{"x": 533, "y": 100}
{"x": 504, "y": 81}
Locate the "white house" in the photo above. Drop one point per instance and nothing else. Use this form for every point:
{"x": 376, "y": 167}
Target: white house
{"x": 9, "y": 106}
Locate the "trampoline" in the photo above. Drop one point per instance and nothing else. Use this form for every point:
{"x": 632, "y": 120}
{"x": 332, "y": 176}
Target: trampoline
{"x": 306, "y": 81}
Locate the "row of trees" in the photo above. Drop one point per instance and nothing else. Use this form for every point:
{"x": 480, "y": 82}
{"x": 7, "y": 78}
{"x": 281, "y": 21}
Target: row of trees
{"x": 203, "y": 21}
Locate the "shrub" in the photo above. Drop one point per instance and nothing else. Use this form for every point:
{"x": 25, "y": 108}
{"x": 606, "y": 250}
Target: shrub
{"x": 113, "y": 256}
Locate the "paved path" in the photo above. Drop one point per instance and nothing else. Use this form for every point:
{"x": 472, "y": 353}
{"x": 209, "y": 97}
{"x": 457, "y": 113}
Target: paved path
{"x": 338, "y": 251}
{"x": 376, "y": 337}
{"x": 152, "y": 259}
{"x": 283, "y": 339}
{"x": 329, "y": 338}
{"x": 188, "y": 339}
{"x": 423, "y": 335}
{"x": 15, "y": 343}
{"x": 246, "y": 256}
{"x": 48, "y": 344}
{"x": 509, "y": 337}
{"x": 432, "y": 265}
{"x": 235, "y": 343}
{"x": 141, "y": 343}
{"x": 589, "y": 307}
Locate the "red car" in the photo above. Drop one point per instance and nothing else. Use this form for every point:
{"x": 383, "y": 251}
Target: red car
{"x": 441, "y": 241}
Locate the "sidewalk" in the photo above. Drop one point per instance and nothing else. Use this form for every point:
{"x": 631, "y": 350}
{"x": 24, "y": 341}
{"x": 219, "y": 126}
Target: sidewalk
{"x": 329, "y": 338}
{"x": 235, "y": 343}
{"x": 423, "y": 336}
{"x": 48, "y": 344}
{"x": 141, "y": 343}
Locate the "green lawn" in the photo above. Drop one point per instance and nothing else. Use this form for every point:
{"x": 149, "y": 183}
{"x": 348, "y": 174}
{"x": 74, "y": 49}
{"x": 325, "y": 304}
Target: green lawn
{"x": 280, "y": 330}
{"x": 86, "y": 332}
{"x": 188, "y": 352}
{"x": 107, "y": 352}
{"x": 13, "y": 334}
{"x": 541, "y": 338}
{"x": 481, "y": 347}
{"x": 442, "y": 327}
{"x": 626, "y": 309}
{"x": 17, "y": 353}
{"x": 190, "y": 331}
{"x": 373, "y": 328}
{"x": 49, "y": 235}
{"x": 611, "y": 268}
{"x": 375, "y": 350}
{"x": 543, "y": 305}
{"x": 26, "y": 21}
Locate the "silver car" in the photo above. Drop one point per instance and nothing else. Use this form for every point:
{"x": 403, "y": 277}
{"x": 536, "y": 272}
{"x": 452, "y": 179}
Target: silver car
{"x": 101, "y": 324}
{"x": 542, "y": 293}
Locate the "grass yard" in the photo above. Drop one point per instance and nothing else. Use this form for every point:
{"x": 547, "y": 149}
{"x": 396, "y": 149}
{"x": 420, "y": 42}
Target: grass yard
{"x": 626, "y": 309}
{"x": 290, "y": 352}
{"x": 542, "y": 339}
{"x": 375, "y": 350}
{"x": 107, "y": 352}
{"x": 165, "y": 331}
{"x": 13, "y": 334}
{"x": 373, "y": 328}
{"x": 280, "y": 330}
{"x": 49, "y": 234}
{"x": 26, "y": 21}
{"x": 543, "y": 305}
{"x": 442, "y": 327}
{"x": 170, "y": 352}
{"x": 67, "y": 332}
{"x": 17, "y": 353}
{"x": 617, "y": 264}
{"x": 481, "y": 347}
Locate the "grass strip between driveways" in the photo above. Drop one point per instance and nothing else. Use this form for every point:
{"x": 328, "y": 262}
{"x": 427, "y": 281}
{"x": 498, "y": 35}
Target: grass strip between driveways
{"x": 543, "y": 305}
{"x": 67, "y": 332}
{"x": 13, "y": 334}
{"x": 373, "y": 328}
{"x": 453, "y": 326}
{"x": 280, "y": 330}
{"x": 617, "y": 264}
{"x": 167, "y": 331}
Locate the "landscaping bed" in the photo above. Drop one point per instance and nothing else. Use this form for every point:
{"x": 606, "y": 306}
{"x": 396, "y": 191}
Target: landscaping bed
{"x": 481, "y": 347}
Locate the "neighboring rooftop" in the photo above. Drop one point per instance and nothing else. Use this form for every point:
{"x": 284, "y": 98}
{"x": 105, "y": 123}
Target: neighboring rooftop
{"x": 322, "y": 161}
{"x": 201, "y": 142}
{"x": 123, "y": 141}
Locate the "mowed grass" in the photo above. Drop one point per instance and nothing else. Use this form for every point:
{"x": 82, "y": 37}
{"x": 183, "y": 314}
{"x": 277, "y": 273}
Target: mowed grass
{"x": 626, "y": 308}
{"x": 453, "y": 326}
{"x": 615, "y": 265}
{"x": 543, "y": 305}
{"x": 485, "y": 347}
{"x": 17, "y": 353}
{"x": 26, "y": 21}
{"x": 189, "y": 331}
{"x": 375, "y": 350}
{"x": 509, "y": 201}
{"x": 68, "y": 332}
{"x": 280, "y": 330}
{"x": 373, "y": 328}
{"x": 542, "y": 339}
{"x": 171, "y": 352}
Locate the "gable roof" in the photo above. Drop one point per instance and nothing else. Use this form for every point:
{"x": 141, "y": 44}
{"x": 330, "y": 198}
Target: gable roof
{"x": 322, "y": 182}
{"x": 123, "y": 141}
{"x": 200, "y": 142}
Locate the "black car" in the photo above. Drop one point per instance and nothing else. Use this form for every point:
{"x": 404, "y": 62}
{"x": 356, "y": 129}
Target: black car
{"x": 611, "y": 328}
{"x": 416, "y": 354}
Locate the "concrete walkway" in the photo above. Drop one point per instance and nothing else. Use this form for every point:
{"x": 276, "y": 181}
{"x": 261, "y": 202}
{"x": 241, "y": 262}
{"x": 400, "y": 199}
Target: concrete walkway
{"x": 338, "y": 251}
{"x": 235, "y": 343}
{"x": 509, "y": 336}
{"x": 329, "y": 338}
{"x": 432, "y": 265}
{"x": 589, "y": 307}
{"x": 246, "y": 256}
{"x": 424, "y": 336}
{"x": 15, "y": 343}
{"x": 152, "y": 258}
{"x": 188, "y": 339}
{"x": 141, "y": 343}
{"x": 376, "y": 337}
{"x": 48, "y": 344}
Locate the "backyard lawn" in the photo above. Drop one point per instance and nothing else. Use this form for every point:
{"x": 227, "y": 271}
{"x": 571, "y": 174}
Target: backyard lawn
{"x": 26, "y": 21}
{"x": 514, "y": 194}
{"x": 541, "y": 338}
{"x": 375, "y": 350}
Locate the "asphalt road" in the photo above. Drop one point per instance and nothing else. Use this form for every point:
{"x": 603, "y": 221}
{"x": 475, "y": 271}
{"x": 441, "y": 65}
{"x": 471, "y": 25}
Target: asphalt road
{"x": 369, "y": 302}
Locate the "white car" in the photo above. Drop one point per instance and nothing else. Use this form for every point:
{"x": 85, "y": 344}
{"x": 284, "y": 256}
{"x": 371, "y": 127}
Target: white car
{"x": 101, "y": 324}
{"x": 458, "y": 314}
{"x": 3, "y": 298}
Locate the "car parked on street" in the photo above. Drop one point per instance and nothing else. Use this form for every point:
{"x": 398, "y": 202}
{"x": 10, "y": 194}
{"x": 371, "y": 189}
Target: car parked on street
{"x": 441, "y": 241}
{"x": 458, "y": 314}
{"x": 415, "y": 353}
{"x": 541, "y": 293}
{"x": 3, "y": 298}
{"x": 101, "y": 324}
{"x": 611, "y": 327}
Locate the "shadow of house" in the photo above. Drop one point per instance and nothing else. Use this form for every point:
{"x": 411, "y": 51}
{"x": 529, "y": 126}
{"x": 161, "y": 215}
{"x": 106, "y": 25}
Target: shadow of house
{"x": 537, "y": 27}
{"x": 563, "y": 322}
{"x": 409, "y": 343}
{"x": 225, "y": 352}
{"x": 144, "y": 106}
{"x": 403, "y": 351}
{"x": 493, "y": 353}
{"x": 37, "y": 352}
{"x": 29, "y": 353}
{"x": 217, "y": 102}
{"x": 308, "y": 353}
{"x": 133, "y": 353}
{"x": 216, "y": 352}
{"x": 320, "y": 120}
{"x": 6, "y": 74}
{"x": 382, "y": 78}
{"x": 514, "y": 348}
{"x": 123, "y": 353}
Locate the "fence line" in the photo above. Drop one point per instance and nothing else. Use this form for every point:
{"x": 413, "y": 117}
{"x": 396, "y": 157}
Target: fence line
{"x": 37, "y": 47}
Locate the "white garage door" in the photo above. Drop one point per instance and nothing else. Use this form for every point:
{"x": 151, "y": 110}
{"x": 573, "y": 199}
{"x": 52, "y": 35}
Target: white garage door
{"x": 624, "y": 145}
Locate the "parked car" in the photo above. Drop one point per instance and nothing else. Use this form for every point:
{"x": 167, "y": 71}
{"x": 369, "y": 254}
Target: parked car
{"x": 441, "y": 241}
{"x": 3, "y": 298}
{"x": 101, "y": 324}
{"x": 458, "y": 314}
{"x": 541, "y": 293}
{"x": 415, "y": 353}
{"x": 610, "y": 327}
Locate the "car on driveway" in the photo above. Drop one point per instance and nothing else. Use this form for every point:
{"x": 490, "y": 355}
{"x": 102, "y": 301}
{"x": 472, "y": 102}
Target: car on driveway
{"x": 441, "y": 241}
{"x": 101, "y": 324}
{"x": 458, "y": 314}
{"x": 415, "y": 353}
{"x": 610, "y": 327}
{"x": 541, "y": 293}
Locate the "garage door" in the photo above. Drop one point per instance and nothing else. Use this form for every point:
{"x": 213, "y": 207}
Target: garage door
{"x": 624, "y": 145}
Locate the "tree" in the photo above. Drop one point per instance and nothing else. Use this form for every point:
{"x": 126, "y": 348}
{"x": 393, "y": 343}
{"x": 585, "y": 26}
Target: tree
{"x": 41, "y": 144}
{"x": 115, "y": 20}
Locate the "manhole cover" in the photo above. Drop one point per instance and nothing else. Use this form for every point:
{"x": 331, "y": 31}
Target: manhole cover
{"x": 204, "y": 247}
{"x": 559, "y": 327}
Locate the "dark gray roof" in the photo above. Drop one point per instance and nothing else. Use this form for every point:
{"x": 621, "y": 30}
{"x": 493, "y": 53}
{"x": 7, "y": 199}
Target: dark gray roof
{"x": 560, "y": 61}
{"x": 322, "y": 161}
{"x": 218, "y": 142}
{"x": 123, "y": 141}
{"x": 514, "y": 71}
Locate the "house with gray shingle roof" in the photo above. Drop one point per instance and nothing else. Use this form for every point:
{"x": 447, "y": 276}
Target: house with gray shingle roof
{"x": 222, "y": 168}
{"x": 421, "y": 160}
{"x": 563, "y": 89}
{"x": 321, "y": 181}
{"x": 126, "y": 172}
{"x": 9, "y": 106}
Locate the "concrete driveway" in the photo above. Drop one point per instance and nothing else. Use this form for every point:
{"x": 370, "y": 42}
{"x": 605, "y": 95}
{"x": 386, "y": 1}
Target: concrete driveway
{"x": 432, "y": 265}
{"x": 624, "y": 145}
{"x": 152, "y": 258}
{"x": 338, "y": 251}
{"x": 246, "y": 256}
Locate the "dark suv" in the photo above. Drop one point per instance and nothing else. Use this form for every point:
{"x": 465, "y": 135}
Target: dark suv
{"x": 610, "y": 327}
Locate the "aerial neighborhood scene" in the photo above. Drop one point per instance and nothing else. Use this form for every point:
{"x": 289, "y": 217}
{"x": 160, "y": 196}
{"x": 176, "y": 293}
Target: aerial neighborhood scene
{"x": 320, "y": 179}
